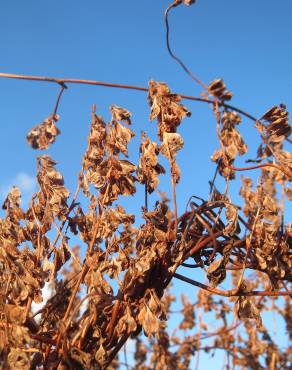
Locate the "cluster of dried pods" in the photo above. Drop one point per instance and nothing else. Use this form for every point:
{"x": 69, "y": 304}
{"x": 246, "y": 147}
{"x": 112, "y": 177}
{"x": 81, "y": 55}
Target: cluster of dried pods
{"x": 84, "y": 324}
{"x": 120, "y": 290}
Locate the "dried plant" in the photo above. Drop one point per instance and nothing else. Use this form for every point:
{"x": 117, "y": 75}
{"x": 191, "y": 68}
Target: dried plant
{"x": 121, "y": 289}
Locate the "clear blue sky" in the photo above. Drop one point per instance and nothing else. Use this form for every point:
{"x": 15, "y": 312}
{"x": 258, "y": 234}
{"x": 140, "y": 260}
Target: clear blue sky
{"x": 248, "y": 43}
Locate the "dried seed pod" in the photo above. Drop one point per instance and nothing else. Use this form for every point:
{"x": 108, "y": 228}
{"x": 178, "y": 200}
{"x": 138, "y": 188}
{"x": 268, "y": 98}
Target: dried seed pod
{"x": 218, "y": 89}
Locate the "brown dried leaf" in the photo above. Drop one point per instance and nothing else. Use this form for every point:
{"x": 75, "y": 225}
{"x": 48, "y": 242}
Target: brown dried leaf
{"x": 246, "y": 309}
{"x": 172, "y": 143}
{"x": 18, "y": 359}
{"x": 118, "y": 138}
{"x": 216, "y": 272}
{"x": 278, "y": 127}
{"x": 40, "y": 136}
{"x": 223, "y": 170}
{"x": 232, "y": 226}
{"x": 120, "y": 114}
{"x": 158, "y": 217}
{"x": 53, "y": 195}
{"x": 288, "y": 191}
{"x": 83, "y": 358}
{"x": 15, "y": 314}
{"x": 62, "y": 255}
{"x": 13, "y": 198}
{"x": 189, "y": 2}
{"x": 218, "y": 89}
{"x": 101, "y": 355}
{"x": 149, "y": 321}
{"x": 149, "y": 168}
{"x": 126, "y": 324}
{"x": 188, "y": 314}
{"x": 165, "y": 107}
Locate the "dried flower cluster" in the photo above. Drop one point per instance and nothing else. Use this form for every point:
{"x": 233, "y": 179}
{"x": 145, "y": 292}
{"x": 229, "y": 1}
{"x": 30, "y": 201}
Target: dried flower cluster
{"x": 120, "y": 289}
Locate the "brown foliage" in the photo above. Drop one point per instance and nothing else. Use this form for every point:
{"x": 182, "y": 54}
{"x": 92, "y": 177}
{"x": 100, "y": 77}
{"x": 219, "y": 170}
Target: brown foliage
{"x": 120, "y": 290}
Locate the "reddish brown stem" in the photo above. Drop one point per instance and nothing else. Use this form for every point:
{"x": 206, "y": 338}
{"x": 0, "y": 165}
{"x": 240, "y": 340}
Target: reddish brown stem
{"x": 289, "y": 175}
{"x": 118, "y": 86}
{"x": 171, "y": 53}
{"x": 201, "y": 244}
{"x": 233, "y": 292}
{"x": 63, "y": 87}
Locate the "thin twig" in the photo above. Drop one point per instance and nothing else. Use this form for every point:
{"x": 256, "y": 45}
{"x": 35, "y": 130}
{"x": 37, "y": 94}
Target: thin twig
{"x": 248, "y": 247}
{"x": 173, "y": 187}
{"x": 72, "y": 205}
{"x": 63, "y": 87}
{"x": 125, "y": 356}
{"x": 70, "y": 305}
{"x": 66, "y": 245}
{"x": 212, "y": 183}
{"x": 146, "y": 195}
{"x": 117, "y": 348}
{"x": 198, "y": 340}
{"x": 262, "y": 165}
{"x": 225, "y": 160}
{"x": 233, "y": 292}
{"x": 118, "y": 86}
{"x": 39, "y": 236}
{"x": 171, "y": 53}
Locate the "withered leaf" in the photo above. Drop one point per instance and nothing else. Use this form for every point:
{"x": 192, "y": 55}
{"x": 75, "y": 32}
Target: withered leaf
{"x": 15, "y": 314}
{"x": 83, "y": 358}
{"x": 223, "y": 170}
{"x": 158, "y": 216}
{"x": 53, "y": 194}
{"x": 172, "y": 143}
{"x": 189, "y": 2}
{"x": 188, "y": 321}
{"x": 246, "y": 309}
{"x": 13, "y": 198}
{"x": 49, "y": 268}
{"x": 218, "y": 89}
{"x": 149, "y": 168}
{"x": 100, "y": 355}
{"x": 278, "y": 127}
{"x": 120, "y": 114}
{"x": 119, "y": 137}
{"x": 165, "y": 107}
{"x": 40, "y": 136}
{"x": 62, "y": 255}
{"x": 126, "y": 323}
{"x": 288, "y": 191}
{"x": 232, "y": 226}
{"x": 149, "y": 321}
{"x": 216, "y": 272}
{"x": 18, "y": 359}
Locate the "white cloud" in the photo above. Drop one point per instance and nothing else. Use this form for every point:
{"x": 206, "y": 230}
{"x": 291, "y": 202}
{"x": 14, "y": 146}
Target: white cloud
{"x": 25, "y": 182}
{"x": 131, "y": 345}
{"x": 83, "y": 307}
{"x": 47, "y": 292}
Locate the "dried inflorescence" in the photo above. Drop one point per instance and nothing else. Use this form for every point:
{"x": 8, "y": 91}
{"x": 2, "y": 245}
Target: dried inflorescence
{"x": 218, "y": 89}
{"x": 231, "y": 143}
{"x": 44, "y": 134}
{"x": 102, "y": 166}
{"x": 115, "y": 285}
{"x": 149, "y": 169}
{"x": 119, "y": 290}
{"x": 85, "y": 323}
{"x": 166, "y": 108}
